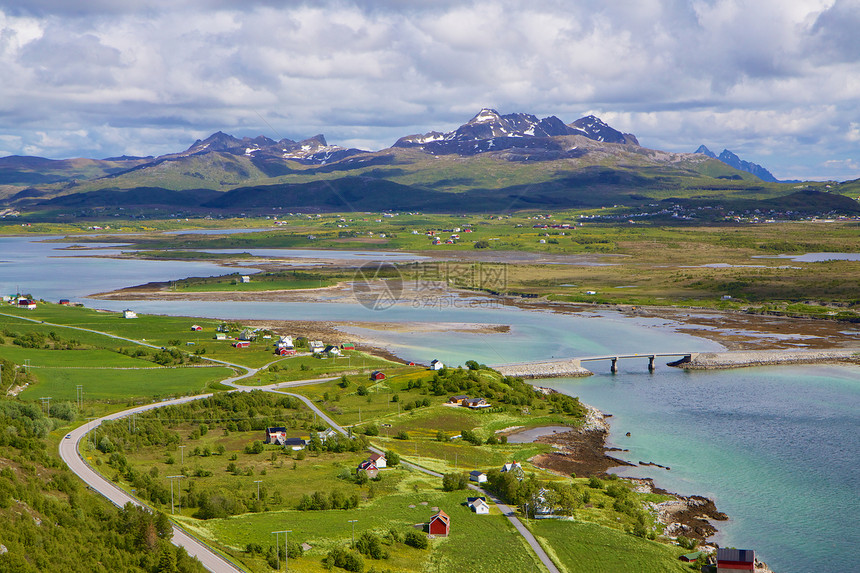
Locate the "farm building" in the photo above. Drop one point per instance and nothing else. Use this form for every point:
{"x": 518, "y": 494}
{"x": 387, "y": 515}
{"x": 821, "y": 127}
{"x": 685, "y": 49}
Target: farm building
{"x": 377, "y": 375}
{"x": 65, "y": 301}
{"x": 348, "y": 346}
{"x": 220, "y": 336}
{"x": 295, "y": 444}
{"x": 436, "y": 365}
{"x": 440, "y": 524}
{"x": 275, "y": 434}
{"x": 241, "y": 344}
{"x": 284, "y": 351}
{"x": 476, "y": 403}
{"x": 479, "y": 505}
{"x": 458, "y": 399}
{"x": 129, "y": 314}
{"x": 477, "y": 476}
{"x": 369, "y": 468}
{"x": 732, "y": 560}
{"x": 27, "y": 303}
{"x": 245, "y": 279}
{"x": 196, "y": 327}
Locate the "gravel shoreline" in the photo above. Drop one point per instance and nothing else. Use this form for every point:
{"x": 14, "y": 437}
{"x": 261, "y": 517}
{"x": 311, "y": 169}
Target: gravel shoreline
{"x": 725, "y": 360}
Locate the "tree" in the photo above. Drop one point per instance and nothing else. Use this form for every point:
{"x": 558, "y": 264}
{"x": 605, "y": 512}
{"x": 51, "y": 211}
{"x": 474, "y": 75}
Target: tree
{"x": 482, "y": 245}
{"x": 392, "y": 458}
{"x": 167, "y": 559}
{"x": 416, "y": 540}
{"x": 454, "y": 481}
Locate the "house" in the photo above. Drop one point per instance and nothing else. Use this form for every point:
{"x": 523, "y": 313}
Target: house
{"x": 65, "y": 301}
{"x": 316, "y": 346}
{"x": 379, "y": 460}
{"x": 245, "y": 279}
{"x": 275, "y": 435}
{"x": 477, "y": 476}
{"x": 479, "y": 505}
{"x": 690, "y": 557}
{"x": 732, "y": 560}
{"x": 512, "y": 467}
{"x": 220, "y": 336}
{"x": 295, "y": 444}
{"x": 129, "y": 314}
{"x": 369, "y": 468}
{"x": 440, "y": 524}
{"x": 476, "y": 403}
{"x": 348, "y": 346}
{"x": 436, "y": 365}
{"x": 196, "y": 327}
{"x": 377, "y": 375}
{"x": 332, "y": 350}
{"x": 326, "y": 434}
{"x": 248, "y": 334}
{"x": 241, "y": 344}
{"x": 458, "y": 399}
{"x": 27, "y": 303}
{"x": 285, "y": 342}
{"x": 284, "y": 351}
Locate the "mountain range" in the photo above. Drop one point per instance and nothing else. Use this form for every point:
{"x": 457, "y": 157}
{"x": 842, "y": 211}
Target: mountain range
{"x": 491, "y": 162}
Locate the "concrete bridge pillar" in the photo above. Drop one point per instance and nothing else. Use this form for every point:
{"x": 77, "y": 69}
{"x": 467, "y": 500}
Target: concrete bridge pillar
{"x": 614, "y": 367}
{"x": 651, "y": 363}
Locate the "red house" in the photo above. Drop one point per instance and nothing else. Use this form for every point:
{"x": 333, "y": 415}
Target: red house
{"x": 440, "y": 524}
{"x": 284, "y": 351}
{"x": 241, "y": 344}
{"x": 196, "y": 327}
{"x": 731, "y": 560}
{"x": 377, "y": 375}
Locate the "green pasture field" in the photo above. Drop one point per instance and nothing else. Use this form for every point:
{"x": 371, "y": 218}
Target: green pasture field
{"x": 589, "y": 548}
{"x": 119, "y": 384}
{"x": 71, "y": 358}
{"x": 501, "y": 547}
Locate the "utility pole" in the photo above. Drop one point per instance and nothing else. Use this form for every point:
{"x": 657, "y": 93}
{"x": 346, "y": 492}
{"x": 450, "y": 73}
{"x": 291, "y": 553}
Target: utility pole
{"x": 79, "y": 396}
{"x": 182, "y": 455}
{"x": 277, "y": 553}
{"x": 352, "y": 521}
{"x": 171, "y": 478}
{"x": 257, "y": 481}
{"x": 286, "y": 533}
{"x": 46, "y": 404}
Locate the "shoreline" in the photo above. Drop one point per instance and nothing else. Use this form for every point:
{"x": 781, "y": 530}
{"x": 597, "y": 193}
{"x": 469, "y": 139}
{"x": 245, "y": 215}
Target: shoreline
{"x": 583, "y": 452}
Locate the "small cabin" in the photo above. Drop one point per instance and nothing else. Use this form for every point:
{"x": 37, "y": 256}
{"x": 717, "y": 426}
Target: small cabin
{"x": 65, "y": 302}
{"x": 196, "y": 327}
{"x": 436, "y": 365}
{"x": 241, "y": 344}
{"x": 245, "y": 279}
{"x": 440, "y": 524}
{"x": 732, "y": 560}
{"x": 477, "y": 476}
{"x": 377, "y": 375}
{"x": 479, "y": 505}
{"x": 129, "y": 314}
{"x": 347, "y": 346}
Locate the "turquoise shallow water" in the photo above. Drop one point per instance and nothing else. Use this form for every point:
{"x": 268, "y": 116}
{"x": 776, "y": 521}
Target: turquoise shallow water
{"x": 778, "y": 449}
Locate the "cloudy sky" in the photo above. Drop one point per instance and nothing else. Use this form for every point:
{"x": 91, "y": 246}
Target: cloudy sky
{"x": 776, "y": 81}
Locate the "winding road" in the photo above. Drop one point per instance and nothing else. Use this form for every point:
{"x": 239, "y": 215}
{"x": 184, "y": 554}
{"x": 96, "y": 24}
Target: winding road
{"x": 70, "y": 448}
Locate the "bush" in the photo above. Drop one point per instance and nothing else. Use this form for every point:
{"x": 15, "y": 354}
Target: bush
{"x": 416, "y": 540}
{"x": 371, "y": 430}
{"x": 402, "y": 435}
{"x": 454, "y": 481}
{"x": 362, "y": 391}
{"x": 349, "y": 560}
{"x": 392, "y": 458}
{"x": 370, "y": 544}
{"x": 595, "y": 483}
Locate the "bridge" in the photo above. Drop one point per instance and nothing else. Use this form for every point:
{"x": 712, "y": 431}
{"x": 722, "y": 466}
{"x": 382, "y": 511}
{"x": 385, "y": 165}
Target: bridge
{"x": 573, "y": 366}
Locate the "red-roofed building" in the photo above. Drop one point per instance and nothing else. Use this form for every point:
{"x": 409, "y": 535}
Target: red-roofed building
{"x": 440, "y": 524}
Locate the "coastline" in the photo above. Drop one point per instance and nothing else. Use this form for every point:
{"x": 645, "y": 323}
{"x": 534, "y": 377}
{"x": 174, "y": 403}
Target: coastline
{"x": 583, "y": 451}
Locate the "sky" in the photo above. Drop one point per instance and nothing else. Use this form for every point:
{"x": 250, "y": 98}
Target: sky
{"x": 775, "y": 81}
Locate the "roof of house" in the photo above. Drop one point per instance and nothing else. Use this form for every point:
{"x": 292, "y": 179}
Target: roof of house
{"x": 474, "y": 499}
{"x": 367, "y": 465}
{"x": 375, "y": 456}
{"x": 476, "y": 473}
{"x": 294, "y": 442}
{"x": 441, "y": 516}
{"x": 741, "y": 555}
{"x": 460, "y": 397}
{"x": 274, "y": 429}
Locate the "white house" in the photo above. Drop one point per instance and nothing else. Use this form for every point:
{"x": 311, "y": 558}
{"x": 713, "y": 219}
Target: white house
{"x": 436, "y": 365}
{"x": 245, "y": 278}
{"x": 316, "y": 346}
{"x": 285, "y": 342}
{"x": 378, "y": 460}
{"x": 129, "y": 314}
{"x": 477, "y": 476}
{"x": 512, "y": 467}
{"x": 479, "y": 505}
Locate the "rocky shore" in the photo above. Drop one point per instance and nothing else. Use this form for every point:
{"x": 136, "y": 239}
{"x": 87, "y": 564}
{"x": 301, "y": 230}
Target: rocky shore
{"x": 724, "y": 360}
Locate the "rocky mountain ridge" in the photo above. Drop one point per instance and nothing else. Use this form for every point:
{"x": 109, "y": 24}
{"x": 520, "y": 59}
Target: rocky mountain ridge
{"x": 733, "y": 160}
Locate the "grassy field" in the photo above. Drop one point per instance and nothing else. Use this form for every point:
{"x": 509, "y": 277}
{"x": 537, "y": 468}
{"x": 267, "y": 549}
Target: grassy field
{"x": 590, "y": 548}
{"x": 121, "y": 384}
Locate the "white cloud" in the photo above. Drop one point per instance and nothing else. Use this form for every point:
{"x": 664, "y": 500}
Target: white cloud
{"x": 774, "y": 79}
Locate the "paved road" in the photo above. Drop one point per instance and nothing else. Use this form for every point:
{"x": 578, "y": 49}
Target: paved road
{"x": 69, "y": 452}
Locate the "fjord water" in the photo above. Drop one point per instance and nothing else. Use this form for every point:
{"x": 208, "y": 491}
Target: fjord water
{"x": 776, "y": 447}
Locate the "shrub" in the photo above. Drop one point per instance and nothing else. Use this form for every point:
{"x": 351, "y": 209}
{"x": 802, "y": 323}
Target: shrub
{"x": 416, "y": 540}
{"x": 402, "y": 435}
{"x": 362, "y": 391}
{"x": 392, "y": 458}
{"x": 454, "y": 481}
{"x": 595, "y": 483}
